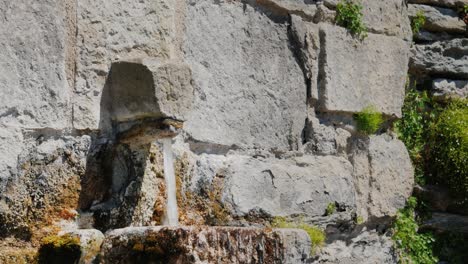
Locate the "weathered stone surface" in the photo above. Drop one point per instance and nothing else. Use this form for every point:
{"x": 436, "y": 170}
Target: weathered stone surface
{"x": 447, "y": 58}
{"x": 150, "y": 89}
{"x": 117, "y": 30}
{"x": 47, "y": 184}
{"x": 447, "y": 222}
{"x": 249, "y": 89}
{"x": 426, "y": 36}
{"x": 383, "y": 175}
{"x": 300, "y": 185}
{"x": 205, "y": 245}
{"x": 439, "y": 19}
{"x": 304, "y": 8}
{"x": 11, "y": 140}
{"x": 90, "y": 243}
{"x": 368, "y": 247}
{"x": 446, "y": 3}
{"x": 450, "y": 88}
{"x": 33, "y": 57}
{"x": 387, "y": 17}
{"x": 136, "y": 183}
{"x": 358, "y": 74}
{"x": 383, "y": 17}
{"x": 323, "y": 139}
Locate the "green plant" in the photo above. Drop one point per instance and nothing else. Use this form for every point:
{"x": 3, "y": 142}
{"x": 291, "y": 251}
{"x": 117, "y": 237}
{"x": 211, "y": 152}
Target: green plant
{"x": 418, "y": 21}
{"x": 368, "y": 120}
{"x": 359, "y": 220}
{"x": 449, "y": 152}
{"x": 317, "y": 236}
{"x": 412, "y": 247}
{"x": 463, "y": 13}
{"x": 349, "y": 15}
{"x": 331, "y": 209}
{"x": 418, "y": 115}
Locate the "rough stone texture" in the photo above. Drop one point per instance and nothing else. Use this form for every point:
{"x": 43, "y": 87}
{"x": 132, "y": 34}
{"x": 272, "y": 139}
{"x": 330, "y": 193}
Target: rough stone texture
{"x": 446, "y": 3}
{"x": 11, "y": 140}
{"x": 357, "y": 74}
{"x": 450, "y": 88}
{"x": 150, "y": 88}
{"x": 33, "y": 80}
{"x": 368, "y": 247}
{"x": 235, "y": 104}
{"x": 136, "y": 175}
{"x": 383, "y": 17}
{"x": 117, "y": 30}
{"x": 90, "y": 243}
{"x": 301, "y": 185}
{"x": 323, "y": 139}
{"x": 442, "y": 58}
{"x": 426, "y": 36}
{"x": 439, "y": 19}
{"x": 447, "y": 222}
{"x": 205, "y": 245}
{"x": 387, "y": 17}
{"x": 304, "y": 8}
{"x": 383, "y": 175}
{"x": 48, "y": 183}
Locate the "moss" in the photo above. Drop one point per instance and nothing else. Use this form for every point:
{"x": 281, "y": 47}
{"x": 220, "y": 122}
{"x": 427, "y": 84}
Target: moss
{"x": 368, "y": 120}
{"x": 331, "y": 209}
{"x": 418, "y": 21}
{"x": 449, "y": 148}
{"x": 317, "y": 235}
{"x": 59, "y": 249}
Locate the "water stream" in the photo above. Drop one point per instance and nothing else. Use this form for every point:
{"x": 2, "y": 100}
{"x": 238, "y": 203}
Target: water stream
{"x": 172, "y": 214}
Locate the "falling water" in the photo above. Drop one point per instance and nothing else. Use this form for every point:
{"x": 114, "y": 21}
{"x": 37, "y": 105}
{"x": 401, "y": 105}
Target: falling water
{"x": 172, "y": 215}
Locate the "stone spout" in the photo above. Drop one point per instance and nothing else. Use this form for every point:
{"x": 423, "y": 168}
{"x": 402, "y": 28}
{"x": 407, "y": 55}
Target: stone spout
{"x": 150, "y": 88}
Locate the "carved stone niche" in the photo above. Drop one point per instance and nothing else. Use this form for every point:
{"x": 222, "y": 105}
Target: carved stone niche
{"x": 150, "y": 88}
{"x": 148, "y": 99}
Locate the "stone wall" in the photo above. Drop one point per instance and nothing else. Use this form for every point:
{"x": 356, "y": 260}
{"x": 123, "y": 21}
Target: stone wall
{"x": 270, "y": 131}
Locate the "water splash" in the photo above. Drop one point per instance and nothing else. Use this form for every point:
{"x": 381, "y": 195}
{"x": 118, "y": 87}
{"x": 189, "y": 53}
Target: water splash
{"x": 172, "y": 214}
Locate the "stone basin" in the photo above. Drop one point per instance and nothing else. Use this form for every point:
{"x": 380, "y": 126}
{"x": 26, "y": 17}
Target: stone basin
{"x": 194, "y": 244}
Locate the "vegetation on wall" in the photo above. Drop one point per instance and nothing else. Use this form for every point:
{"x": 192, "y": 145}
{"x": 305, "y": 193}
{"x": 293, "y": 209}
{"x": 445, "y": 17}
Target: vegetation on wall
{"x": 412, "y": 247}
{"x": 449, "y": 148}
{"x": 368, "y": 121}
{"x": 317, "y": 236}
{"x": 418, "y": 115}
{"x": 349, "y": 15}
{"x": 418, "y": 21}
{"x": 331, "y": 209}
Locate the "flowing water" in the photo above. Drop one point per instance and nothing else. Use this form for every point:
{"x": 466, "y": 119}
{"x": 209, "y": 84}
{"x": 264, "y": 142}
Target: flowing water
{"x": 172, "y": 214}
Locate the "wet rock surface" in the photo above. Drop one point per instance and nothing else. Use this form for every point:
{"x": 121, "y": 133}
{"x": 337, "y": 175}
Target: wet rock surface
{"x": 205, "y": 245}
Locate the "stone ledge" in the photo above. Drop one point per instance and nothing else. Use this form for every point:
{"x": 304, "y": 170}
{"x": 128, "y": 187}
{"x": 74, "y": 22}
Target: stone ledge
{"x": 193, "y": 244}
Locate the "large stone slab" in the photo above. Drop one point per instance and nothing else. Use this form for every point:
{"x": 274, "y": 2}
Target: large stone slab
{"x": 357, "y": 74}
{"x": 442, "y": 58}
{"x": 33, "y": 62}
{"x": 117, "y": 30}
{"x": 383, "y": 175}
{"x": 302, "y": 185}
{"x": 205, "y": 245}
{"x": 439, "y": 19}
{"x": 383, "y": 17}
{"x": 446, "y": 3}
{"x": 367, "y": 247}
{"x": 249, "y": 89}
